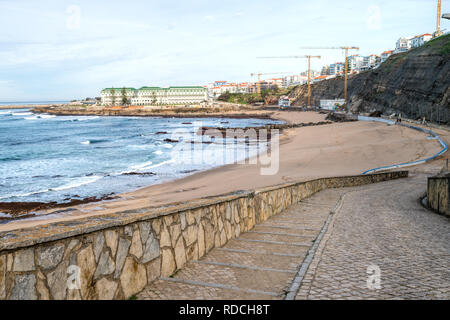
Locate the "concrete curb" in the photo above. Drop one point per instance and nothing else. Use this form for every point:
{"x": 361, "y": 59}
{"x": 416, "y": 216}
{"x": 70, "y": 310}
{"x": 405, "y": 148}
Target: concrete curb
{"x": 412, "y": 163}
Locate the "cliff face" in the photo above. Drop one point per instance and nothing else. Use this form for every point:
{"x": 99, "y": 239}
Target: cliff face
{"x": 415, "y": 84}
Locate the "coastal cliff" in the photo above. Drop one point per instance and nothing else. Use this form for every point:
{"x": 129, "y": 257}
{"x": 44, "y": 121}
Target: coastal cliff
{"x": 414, "y": 83}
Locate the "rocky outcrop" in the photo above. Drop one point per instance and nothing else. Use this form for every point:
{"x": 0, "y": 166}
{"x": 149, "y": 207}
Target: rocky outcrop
{"x": 415, "y": 84}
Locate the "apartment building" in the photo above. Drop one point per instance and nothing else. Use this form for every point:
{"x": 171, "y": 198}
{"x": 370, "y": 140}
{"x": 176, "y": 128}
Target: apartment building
{"x": 154, "y": 96}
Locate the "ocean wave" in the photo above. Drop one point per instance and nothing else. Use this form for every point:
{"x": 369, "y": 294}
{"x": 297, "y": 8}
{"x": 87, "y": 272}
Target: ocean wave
{"x": 77, "y": 183}
{"x": 71, "y": 185}
{"x": 21, "y": 195}
{"x": 168, "y": 146}
{"x": 139, "y": 146}
{"x": 42, "y": 116}
{"x": 86, "y": 118}
{"x": 161, "y": 164}
{"x": 92, "y": 141}
{"x": 21, "y": 113}
{"x": 158, "y": 152}
{"x": 142, "y": 165}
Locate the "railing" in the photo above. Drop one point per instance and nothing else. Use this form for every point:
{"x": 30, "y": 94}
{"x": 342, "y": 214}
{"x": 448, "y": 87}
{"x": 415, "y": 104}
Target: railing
{"x": 412, "y": 163}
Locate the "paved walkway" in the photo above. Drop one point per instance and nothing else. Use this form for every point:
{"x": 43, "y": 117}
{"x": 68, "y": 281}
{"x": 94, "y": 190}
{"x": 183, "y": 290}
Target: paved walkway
{"x": 382, "y": 226}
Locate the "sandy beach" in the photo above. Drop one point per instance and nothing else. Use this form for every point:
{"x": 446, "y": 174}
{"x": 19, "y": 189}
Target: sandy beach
{"x": 337, "y": 149}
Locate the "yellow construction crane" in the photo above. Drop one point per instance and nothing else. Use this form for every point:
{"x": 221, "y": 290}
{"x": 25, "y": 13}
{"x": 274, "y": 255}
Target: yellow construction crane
{"x": 309, "y": 69}
{"x": 346, "y": 48}
{"x": 264, "y": 74}
{"x": 438, "y": 31}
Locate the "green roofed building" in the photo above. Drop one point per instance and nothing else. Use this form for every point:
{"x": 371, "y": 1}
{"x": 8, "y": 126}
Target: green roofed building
{"x": 146, "y": 96}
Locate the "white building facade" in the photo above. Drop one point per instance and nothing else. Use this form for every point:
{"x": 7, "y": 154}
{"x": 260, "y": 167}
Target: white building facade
{"x": 403, "y": 45}
{"x": 154, "y": 96}
{"x": 336, "y": 68}
{"x": 418, "y": 41}
{"x": 385, "y": 55}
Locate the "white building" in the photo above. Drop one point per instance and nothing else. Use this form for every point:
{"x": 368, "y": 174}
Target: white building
{"x": 294, "y": 80}
{"x": 154, "y": 96}
{"x": 337, "y": 68}
{"x": 418, "y": 41}
{"x": 385, "y": 55}
{"x": 356, "y": 62}
{"x": 276, "y": 82}
{"x": 403, "y": 45}
{"x": 371, "y": 61}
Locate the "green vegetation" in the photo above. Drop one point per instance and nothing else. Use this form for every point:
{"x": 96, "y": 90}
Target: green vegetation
{"x": 240, "y": 98}
{"x": 133, "y": 297}
{"x": 443, "y": 43}
{"x": 124, "y": 96}
{"x": 249, "y": 98}
{"x": 439, "y": 45}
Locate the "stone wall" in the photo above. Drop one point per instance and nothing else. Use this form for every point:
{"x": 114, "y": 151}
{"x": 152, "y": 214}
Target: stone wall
{"x": 114, "y": 256}
{"x": 438, "y": 194}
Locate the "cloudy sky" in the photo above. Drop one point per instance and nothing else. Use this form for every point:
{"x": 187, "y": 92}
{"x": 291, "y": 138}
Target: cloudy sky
{"x": 60, "y": 50}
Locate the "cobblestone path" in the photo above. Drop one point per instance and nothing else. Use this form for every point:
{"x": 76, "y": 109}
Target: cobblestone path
{"x": 385, "y": 226}
{"x": 260, "y": 264}
{"x": 381, "y": 226}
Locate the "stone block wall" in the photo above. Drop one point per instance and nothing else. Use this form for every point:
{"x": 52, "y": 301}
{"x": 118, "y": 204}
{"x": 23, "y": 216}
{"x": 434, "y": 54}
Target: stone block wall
{"x": 438, "y": 190}
{"x": 116, "y": 256}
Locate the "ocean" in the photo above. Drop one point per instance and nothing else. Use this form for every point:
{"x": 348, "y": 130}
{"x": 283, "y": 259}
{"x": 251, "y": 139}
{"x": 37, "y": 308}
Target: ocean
{"x": 29, "y": 103}
{"x": 57, "y": 158}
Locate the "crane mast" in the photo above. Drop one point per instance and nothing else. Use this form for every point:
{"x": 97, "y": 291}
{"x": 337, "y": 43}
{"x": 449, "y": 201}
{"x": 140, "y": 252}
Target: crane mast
{"x": 309, "y": 57}
{"x": 346, "y": 48}
{"x": 438, "y": 21}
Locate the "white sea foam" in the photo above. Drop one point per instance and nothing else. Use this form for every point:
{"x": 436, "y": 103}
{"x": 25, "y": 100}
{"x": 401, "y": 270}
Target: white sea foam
{"x": 77, "y": 183}
{"x": 141, "y": 166}
{"x": 21, "y": 195}
{"x": 32, "y": 118}
{"x": 86, "y": 142}
{"x": 168, "y": 146}
{"x": 161, "y": 164}
{"x": 158, "y": 152}
{"x": 22, "y": 113}
{"x": 87, "y": 118}
{"x": 73, "y": 184}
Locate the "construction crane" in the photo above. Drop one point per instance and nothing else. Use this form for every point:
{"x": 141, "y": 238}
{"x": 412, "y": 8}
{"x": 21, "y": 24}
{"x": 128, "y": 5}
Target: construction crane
{"x": 264, "y": 74}
{"x": 309, "y": 69}
{"x": 438, "y": 32}
{"x": 346, "y": 48}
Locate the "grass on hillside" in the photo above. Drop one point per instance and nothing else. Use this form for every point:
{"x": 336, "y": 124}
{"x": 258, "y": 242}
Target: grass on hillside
{"x": 443, "y": 42}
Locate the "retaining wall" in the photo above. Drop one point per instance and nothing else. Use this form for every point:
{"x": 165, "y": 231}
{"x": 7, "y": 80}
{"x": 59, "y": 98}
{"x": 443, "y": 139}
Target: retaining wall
{"x": 438, "y": 194}
{"x": 115, "y": 256}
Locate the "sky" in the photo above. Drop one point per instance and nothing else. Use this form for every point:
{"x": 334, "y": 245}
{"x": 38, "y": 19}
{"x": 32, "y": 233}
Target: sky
{"x": 63, "y": 50}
